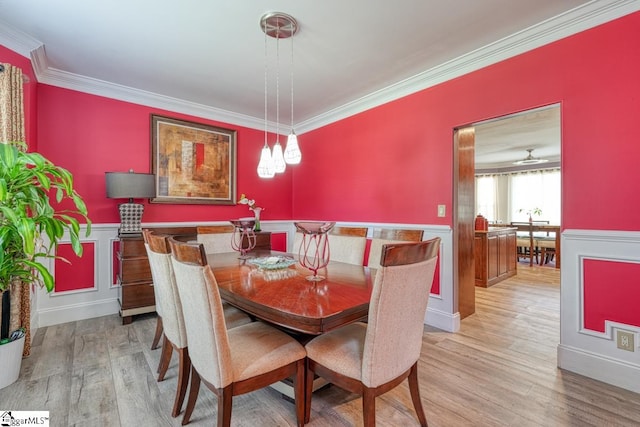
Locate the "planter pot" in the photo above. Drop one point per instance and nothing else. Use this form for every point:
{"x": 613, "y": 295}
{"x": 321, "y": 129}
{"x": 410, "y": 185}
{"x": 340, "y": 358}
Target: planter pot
{"x": 11, "y": 359}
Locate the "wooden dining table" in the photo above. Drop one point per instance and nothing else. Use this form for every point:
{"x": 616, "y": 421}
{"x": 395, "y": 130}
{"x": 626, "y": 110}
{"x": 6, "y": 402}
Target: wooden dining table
{"x": 533, "y": 227}
{"x": 286, "y": 298}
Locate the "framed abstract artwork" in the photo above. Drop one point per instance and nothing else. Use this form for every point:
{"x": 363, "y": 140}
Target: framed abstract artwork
{"x": 193, "y": 163}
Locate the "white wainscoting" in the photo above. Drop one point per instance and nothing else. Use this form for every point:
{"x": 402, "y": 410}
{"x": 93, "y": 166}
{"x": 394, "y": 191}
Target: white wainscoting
{"x": 586, "y": 352}
{"x": 102, "y": 299}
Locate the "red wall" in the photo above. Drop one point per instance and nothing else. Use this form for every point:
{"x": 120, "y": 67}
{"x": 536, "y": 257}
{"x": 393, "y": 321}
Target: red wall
{"x": 90, "y": 135}
{"x": 394, "y": 163}
{"x": 608, "y": 287}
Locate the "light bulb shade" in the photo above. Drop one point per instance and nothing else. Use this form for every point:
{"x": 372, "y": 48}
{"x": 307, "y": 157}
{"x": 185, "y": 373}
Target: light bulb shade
{"x": 278, "y": 158}
{"x": 130, "y": 185}
{"x": 292, "y": 153}
{"x": 266, "y": 168}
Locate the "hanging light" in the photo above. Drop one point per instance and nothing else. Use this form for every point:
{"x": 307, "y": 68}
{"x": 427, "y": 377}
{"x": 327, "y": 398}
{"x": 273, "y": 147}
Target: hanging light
{"x": 279, "y": 26}
{"x": 292, "y": 154}
{"x": 278, "y": 159}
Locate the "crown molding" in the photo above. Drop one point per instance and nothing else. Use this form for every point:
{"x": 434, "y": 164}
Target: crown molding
{"x": 579, "y": 19}
{"x": 17, "y": 41}
{"x": 571, "y": 22}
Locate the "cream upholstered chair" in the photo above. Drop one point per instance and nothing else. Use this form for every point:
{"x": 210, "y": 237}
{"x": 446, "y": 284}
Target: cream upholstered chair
{"x": 215, "y": 238}
{"x": 346, "y": 244}
{"x": 547, "y": 248}
{"x": 383, "y": 236}
{"x": 371, "y": 359}
{"x": 155, "y": 343}
{"x": 233, "y": 362}
{"x": 167, "y": 298}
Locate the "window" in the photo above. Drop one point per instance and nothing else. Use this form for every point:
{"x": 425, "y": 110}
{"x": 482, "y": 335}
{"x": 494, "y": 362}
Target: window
{"x": 509, "y": 196}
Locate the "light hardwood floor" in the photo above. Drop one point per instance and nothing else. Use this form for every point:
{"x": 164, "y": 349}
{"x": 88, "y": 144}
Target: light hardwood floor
{"x": 499, "y": 370}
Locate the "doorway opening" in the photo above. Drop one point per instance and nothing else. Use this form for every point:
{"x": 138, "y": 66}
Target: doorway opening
{"x": 493, "y": 147}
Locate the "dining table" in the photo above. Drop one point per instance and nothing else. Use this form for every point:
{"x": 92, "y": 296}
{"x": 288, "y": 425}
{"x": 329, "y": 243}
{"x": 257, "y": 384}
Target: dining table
{"x": 286, "y": 298}
{"x": 535, "y": 230}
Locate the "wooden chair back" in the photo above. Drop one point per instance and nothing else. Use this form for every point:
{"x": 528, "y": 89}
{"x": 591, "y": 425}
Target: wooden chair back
{"x": 157, "y": 242}
{"x": 350, "y": 231}
{"x": 383, "y": 236}
{"x": 188, "y": 253}
{"x": 214, "y": 229}
{"x": 409, "y": 253}
{"x": 400, "y": 235}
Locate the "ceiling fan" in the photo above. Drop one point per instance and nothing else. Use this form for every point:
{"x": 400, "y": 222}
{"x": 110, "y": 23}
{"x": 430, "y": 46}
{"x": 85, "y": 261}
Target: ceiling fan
{"x": 530, "y": 160}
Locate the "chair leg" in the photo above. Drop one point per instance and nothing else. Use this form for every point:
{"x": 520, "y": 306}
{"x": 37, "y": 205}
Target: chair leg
{"x": 308, "y": 379}
{"x": 369, "y": 407}
{"x": 193, "y": 396}
{"x": 165, "y": 358}
{"x": 184, "y": 366}
{"x": 225, "y": 403}
{"x": 415, "y": 395}
{"x": 299, "y": 392}
{"x": 158, "y": 334}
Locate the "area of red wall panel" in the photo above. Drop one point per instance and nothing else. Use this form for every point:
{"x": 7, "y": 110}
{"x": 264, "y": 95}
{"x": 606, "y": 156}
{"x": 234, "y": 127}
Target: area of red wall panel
{"x": 79, "y": 272}
{"x": 90, "y": 135}
{"x": 394, "y": 163}
{"x": 611, "y": 293}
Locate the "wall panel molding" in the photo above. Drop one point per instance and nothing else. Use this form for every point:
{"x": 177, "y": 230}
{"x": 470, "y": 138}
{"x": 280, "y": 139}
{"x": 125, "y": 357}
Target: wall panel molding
{"x": 587, "y": 352}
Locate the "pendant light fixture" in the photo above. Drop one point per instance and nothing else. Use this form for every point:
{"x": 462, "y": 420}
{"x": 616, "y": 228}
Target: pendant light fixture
{"x": 292, "y": 154}
{"x": 530, "y": 160}
{"x": 279, "y": 26}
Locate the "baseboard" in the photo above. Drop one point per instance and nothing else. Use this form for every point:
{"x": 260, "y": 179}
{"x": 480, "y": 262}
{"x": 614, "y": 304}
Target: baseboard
{"x": 72, "y": 313}
{"x": 605, "y": 369}
{"x": 442, "y": 320}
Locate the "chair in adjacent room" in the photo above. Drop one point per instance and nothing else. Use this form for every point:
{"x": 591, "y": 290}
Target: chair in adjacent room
{"x": 383, "y": 236}
{"x": 168, "y": 300}
{"x": 215, "y": 238}
{"x": 371, "y": 359}
{"x": 547, "y": 247}
{"x": 235, "y": 361}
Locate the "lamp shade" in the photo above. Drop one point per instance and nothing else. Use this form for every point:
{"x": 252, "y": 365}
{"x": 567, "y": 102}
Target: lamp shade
{"x": 130, "y": 185}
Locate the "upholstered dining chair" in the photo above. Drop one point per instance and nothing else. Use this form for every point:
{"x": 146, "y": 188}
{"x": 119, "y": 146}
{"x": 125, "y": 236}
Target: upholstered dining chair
{"x": 383, "y": 236}
{"x": 235, "y": 361}
{"x": 168, "y": 300}
{"x": 547, "y": 248}
{"x": 346, "y": 244}
{"x": 215, "y": 238}
{"x": 371, "y": 359}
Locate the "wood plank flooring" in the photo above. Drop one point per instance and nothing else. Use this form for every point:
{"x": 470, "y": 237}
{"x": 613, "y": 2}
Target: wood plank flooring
{"x": 499, "y": 370}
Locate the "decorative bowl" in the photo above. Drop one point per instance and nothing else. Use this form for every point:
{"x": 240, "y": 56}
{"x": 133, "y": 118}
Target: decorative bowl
{"x": 272, "y": 262}
{"x": 314, "y": 227}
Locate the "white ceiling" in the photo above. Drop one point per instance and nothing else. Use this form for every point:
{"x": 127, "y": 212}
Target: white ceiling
{"x": 207, "y": 58}
{"x": 500, "y": 142}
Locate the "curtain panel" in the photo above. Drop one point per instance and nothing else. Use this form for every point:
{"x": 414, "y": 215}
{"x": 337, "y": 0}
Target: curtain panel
{"x": 12, "y": 130}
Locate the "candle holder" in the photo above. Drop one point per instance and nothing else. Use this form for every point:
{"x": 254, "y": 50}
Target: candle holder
{"x": 314, "y": 253}
{"x": 243, "y": 238}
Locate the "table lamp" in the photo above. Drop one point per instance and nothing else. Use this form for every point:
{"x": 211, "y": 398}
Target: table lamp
{"x": 130, "y": 185}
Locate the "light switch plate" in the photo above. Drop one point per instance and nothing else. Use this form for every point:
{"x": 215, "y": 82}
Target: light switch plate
{"x": 442, "y": 210}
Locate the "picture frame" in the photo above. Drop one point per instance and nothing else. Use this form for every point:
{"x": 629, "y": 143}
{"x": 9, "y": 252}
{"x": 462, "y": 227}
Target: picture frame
{"x": 193, "y": 163}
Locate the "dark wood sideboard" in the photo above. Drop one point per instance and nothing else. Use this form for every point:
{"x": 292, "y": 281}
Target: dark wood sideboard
{"x": 135, "y": 293}
{"x": 495, "y": 255}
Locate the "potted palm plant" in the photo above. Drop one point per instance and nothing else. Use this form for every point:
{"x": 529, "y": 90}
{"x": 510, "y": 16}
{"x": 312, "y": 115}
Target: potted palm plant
{"x": 31, "y": 224}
